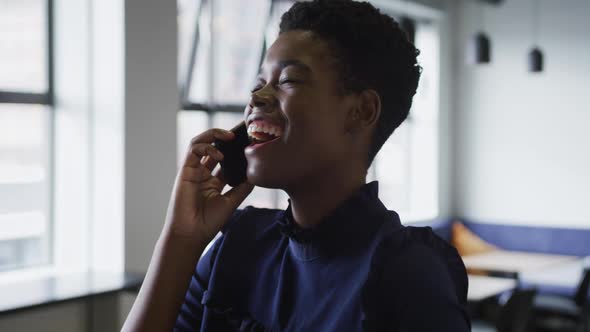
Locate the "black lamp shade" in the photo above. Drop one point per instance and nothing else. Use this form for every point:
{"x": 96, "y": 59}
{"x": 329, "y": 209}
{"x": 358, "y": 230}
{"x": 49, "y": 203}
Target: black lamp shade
{"x": 535, "y": 60}
{"x": 479, "y": 50}
{"x": 408, "y": 25}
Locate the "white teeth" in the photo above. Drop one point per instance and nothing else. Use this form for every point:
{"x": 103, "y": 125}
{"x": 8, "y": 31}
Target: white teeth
{"x": 275, "y": 131}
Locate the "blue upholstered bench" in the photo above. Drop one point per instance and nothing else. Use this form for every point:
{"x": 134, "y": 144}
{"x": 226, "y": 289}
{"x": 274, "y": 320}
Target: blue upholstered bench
{"x": 541, "y": 239}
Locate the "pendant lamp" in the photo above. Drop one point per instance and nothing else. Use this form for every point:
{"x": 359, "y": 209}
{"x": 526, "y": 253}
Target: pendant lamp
{"x": 479, "y": 49}
{"x": 535, "y": 57}
{"x": 535, "y": 60}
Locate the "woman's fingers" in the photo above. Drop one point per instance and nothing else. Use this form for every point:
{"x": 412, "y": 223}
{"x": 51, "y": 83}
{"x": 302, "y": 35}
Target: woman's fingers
{"x": 209, "y": 136}
{"x": 200, "y": 146}
{"x": 219, "y": 174}
{"x": 202, "y": 157}
{"x": 194, "y": 174}
{"x": 204, "y": 178}
{"x": 210, "y": 162}
{"x": 198, "y": 151}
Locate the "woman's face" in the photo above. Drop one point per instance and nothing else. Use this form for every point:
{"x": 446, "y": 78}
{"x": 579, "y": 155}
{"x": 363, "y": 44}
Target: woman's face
{"x": 296, "y": 97}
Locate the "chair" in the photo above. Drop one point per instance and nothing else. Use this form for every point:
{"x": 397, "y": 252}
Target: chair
{"x": 514, "y": 316}
{"x": 574, "y": 309}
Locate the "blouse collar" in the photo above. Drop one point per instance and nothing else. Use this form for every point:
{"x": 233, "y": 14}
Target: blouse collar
{"x": 354, "y": 221}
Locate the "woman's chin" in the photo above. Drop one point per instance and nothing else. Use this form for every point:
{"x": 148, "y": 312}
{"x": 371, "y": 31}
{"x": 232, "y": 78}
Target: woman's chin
{"x": 265, "y": 179}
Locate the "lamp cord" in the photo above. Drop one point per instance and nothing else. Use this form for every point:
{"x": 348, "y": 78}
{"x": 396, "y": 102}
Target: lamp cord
{"x": 535, "y": 11}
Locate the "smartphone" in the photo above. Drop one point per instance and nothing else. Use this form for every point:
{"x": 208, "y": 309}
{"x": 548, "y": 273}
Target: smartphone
{"x": 234, "y": 164}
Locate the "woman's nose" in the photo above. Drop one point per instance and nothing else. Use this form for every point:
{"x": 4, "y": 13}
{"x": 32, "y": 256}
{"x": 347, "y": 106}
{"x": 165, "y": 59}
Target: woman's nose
{"x": 261, "y": 98}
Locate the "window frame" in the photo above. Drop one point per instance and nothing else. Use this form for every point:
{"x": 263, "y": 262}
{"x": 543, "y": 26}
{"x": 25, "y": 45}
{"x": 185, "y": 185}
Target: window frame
{"x": 186, "y": 85}
{"x": 47, "y": 98}
{"x": 187, "y": 78}
{"x": 43, "y": 99}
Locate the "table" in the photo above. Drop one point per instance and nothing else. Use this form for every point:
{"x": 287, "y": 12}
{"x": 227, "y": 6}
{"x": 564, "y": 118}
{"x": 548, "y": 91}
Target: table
{"x": 563, "y": 279}
{"x": 483, "y": 287}
{"x": 513, "y": 263}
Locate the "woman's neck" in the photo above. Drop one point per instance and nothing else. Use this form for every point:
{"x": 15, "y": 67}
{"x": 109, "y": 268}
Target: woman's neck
{"x": 316, "y": 197}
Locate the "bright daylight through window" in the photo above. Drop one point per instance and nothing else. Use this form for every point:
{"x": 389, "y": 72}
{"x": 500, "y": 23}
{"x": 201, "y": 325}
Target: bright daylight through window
{"x": 219, "y": 60}
{"x": 25, "y": 132}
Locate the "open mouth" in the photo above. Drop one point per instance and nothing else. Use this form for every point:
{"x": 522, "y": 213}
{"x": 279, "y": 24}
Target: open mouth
{"x": 261, "y": 132}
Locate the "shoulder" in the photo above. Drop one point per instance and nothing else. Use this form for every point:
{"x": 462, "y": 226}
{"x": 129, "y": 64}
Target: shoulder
{"x": 251, "y": 218}
{"x": 416, "y": 258}
{"x": 244, "y": 227}
{"x": 416, "y": 275}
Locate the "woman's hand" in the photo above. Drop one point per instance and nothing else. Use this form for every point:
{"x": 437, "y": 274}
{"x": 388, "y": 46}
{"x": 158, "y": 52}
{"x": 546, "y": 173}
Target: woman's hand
{"x": 196, "y": 212}
{"x": 197, "y": 209}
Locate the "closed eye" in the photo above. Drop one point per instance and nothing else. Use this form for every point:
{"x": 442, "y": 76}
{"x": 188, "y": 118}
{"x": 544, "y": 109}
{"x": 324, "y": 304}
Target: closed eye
{"x": 256, "y": 88}
{"x": 287, "y": 81}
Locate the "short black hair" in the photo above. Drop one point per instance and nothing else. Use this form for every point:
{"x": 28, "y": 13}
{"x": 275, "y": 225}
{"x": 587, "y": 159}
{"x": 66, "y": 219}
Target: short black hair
{"x": 371, "y": 52}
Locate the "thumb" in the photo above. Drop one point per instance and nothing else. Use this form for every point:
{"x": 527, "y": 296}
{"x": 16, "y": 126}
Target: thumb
{"x": 238, "y": 194}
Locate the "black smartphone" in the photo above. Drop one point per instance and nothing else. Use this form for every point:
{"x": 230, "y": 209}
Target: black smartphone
{"x": 234, "y": 164}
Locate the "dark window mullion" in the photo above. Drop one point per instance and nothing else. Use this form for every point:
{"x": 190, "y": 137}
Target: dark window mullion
{"x": 266, "y": 25}
{"x": 50, "y": 54}
{"x": 9, "y": 97}
{"x": 186, "y": 88}
{"x": 13, "y": 97}
{"x": 50, "y": 237}
{"x": 211, "y": 108}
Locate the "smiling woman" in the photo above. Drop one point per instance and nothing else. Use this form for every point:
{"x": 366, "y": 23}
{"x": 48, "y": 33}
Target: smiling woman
{"x": 334, "y": 85}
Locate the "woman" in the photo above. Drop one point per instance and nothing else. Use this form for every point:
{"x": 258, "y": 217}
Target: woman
{"x": 332, "y": 88}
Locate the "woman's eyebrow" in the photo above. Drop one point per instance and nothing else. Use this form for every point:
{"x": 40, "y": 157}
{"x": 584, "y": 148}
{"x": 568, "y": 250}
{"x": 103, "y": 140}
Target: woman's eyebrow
{"x": 296, "y": 63}
{"x": 287, "y": 63}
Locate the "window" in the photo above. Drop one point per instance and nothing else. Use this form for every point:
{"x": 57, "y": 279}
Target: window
{"x": 407, "y": 165}
{"x": 218, "y": 63}
{"x": 25, "y": 133}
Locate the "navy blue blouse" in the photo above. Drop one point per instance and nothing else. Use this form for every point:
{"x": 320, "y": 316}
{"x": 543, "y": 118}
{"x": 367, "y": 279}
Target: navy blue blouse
{"x": 358, "y": 270}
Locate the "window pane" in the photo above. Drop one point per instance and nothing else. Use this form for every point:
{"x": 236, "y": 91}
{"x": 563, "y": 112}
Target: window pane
{"x": 187, "y": 18}
{"x": 272, "y": 32}
{"x": 227, "y": 62}
{"x": 282, "y": 200}
{"x": 237, "y": 44}
{"x": 392, "y": 170}
{"x": 201, "y": 90}
{"x": 24, "y": 185}
{"x": 407, "y": 165}
{"x": 227, "y": 120}
{"x": 190, "y": 124}
{"x": 23, "y": 50}
{"x": 425, "y": 160}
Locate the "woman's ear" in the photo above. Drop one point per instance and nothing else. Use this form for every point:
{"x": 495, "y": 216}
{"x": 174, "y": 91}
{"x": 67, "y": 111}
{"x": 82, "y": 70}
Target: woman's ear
{"x": 365, "y": 113}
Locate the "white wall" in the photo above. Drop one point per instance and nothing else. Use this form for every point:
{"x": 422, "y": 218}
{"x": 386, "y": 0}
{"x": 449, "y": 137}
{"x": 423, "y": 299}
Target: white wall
{"x": 151, "y": 105}
{"x": 446, "y": 125}
{"x": 522, "y": 139}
